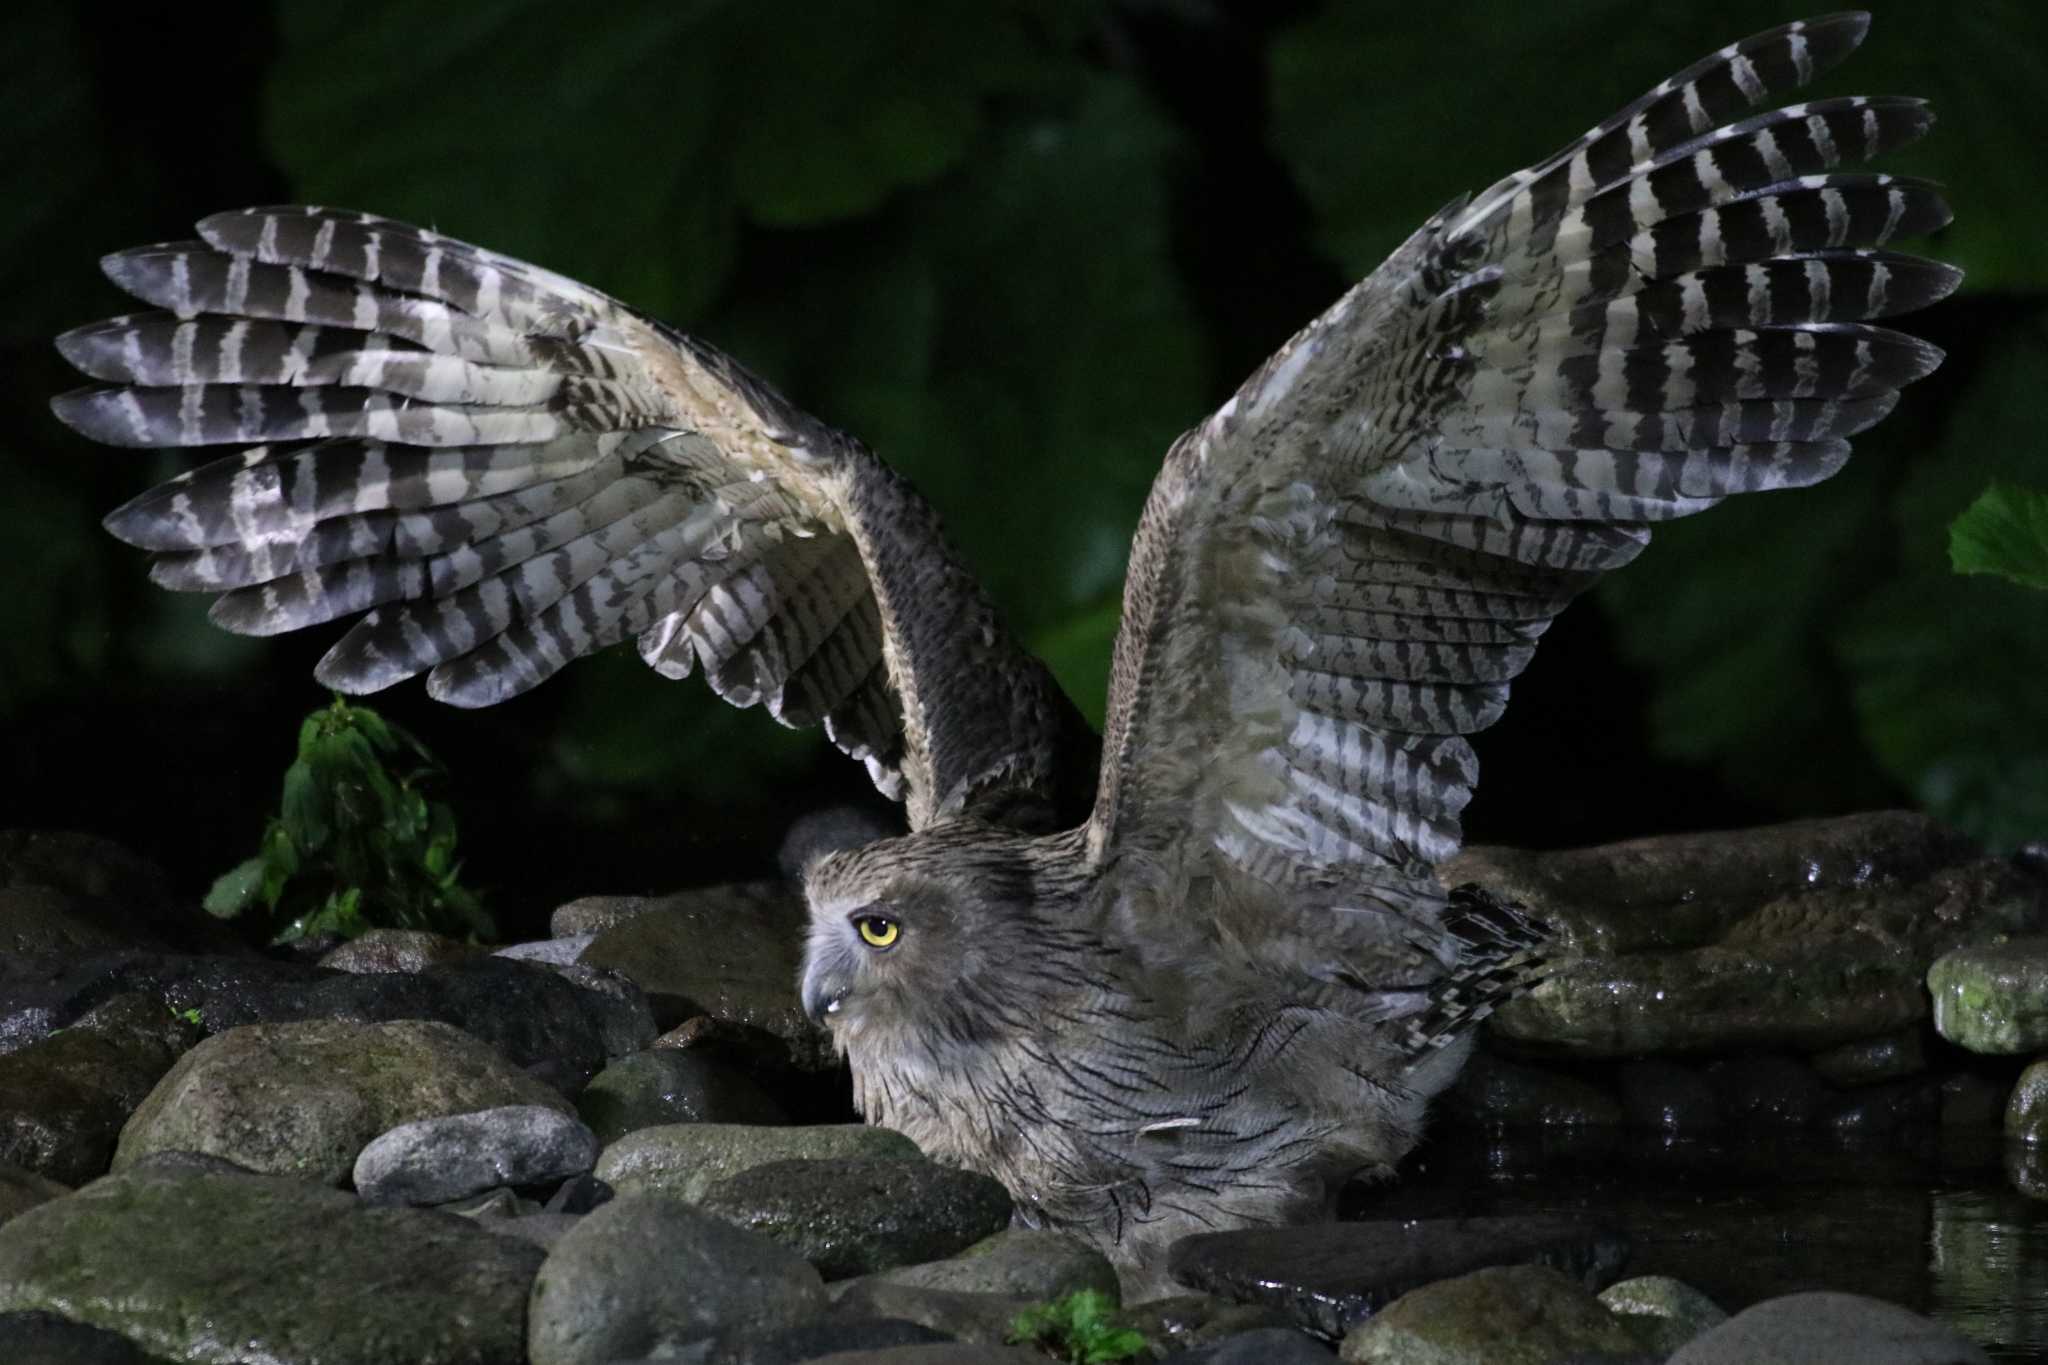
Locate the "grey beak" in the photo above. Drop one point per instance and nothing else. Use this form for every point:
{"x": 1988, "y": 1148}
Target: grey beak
{"x": 822, "y": 992}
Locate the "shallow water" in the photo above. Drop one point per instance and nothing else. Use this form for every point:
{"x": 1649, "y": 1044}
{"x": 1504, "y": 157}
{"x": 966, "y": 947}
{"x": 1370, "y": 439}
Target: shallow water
{"x": 1938, "y": 1222}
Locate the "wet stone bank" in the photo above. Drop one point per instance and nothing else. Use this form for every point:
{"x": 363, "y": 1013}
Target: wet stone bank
{"x": 1788, "y": 1100}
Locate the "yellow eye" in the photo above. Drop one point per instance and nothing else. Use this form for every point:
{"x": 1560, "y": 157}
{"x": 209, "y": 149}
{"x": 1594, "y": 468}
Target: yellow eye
{"x": 878, "y": 931}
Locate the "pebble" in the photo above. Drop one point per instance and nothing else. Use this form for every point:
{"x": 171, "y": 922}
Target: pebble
{"x": 303, "y": 1099}
{"x": 1263, "y": 1346}
{"x": 204, "y": 1266}
{"x": 984, "y": 1319}
{"x": 395, "y": 950}
{"x": 852, "y": 1217}
{"x": 1662, "y": 1312}
{"x": 434, "y": 1160}
{"x": 1329, "y": 1277}
{"x": 646, "y": 1275}
{"x": 1993, "y": 998}
{"x": 1032, "y": 1262}
{"x": 1800, "y": 1329}
{"x": 64, "y": 1098}
{"x": 2026, "y": 1111}
{"x": 686, "y": 1159}
{"x": 731, "y": 952}
{"x": 667, "y": 1085}
{"x": 827, "y": 1337}
{"x": 1505, "y": 1315}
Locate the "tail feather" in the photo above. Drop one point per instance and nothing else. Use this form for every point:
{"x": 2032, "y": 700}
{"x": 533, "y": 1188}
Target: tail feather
{"x": 1505, "y": 952}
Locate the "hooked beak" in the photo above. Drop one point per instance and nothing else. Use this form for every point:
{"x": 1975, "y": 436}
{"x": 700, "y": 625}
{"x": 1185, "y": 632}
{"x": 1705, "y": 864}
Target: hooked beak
{"x": 823, "y": 990}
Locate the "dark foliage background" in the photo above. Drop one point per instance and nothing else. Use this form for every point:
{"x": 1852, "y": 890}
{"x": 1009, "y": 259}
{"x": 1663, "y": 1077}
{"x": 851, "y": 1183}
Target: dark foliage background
{"x": 1017, "y": 247}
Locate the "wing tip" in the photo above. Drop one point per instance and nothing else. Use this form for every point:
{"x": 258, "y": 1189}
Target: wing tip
{"x": 94, "y": 412}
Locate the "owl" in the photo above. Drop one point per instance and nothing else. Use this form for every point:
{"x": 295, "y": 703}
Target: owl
{"x": 1199, "y": 973}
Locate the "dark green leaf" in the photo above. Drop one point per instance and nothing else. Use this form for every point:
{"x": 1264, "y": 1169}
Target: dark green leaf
{"x": 236, "y": 890}
{"x": 2004, "y": 532}
{"x": 1385, "y": 113}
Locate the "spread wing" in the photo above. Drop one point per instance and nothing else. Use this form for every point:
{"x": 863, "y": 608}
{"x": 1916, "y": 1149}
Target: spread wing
{"x": 506, "y": 470}
{"x": 1339, "y": 573}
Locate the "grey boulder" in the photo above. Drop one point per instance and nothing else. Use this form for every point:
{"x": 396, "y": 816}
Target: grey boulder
{"x": 433, "y": 1160}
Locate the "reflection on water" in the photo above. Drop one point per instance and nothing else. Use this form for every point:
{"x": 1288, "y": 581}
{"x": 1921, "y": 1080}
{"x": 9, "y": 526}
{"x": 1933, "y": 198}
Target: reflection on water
{"x": 1936, "y": 1222}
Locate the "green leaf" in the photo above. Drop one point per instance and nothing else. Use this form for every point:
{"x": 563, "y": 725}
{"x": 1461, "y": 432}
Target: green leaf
{"x": 1377, "y": 147}
{"x": 307, "y": 810}
{"x": 2004, "y": 532}
{"x": 236, "y": 889}
{"x": 783, "y": 112}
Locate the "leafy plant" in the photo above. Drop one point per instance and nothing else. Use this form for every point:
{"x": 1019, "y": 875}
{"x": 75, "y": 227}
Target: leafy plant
{"x": 1079, "y": 1328}
{"x": 2004, "y": 532}
{"x": 356, "y": 842}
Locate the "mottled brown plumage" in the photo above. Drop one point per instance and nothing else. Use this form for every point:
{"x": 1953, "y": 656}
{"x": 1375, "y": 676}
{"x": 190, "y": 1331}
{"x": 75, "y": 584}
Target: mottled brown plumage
{"x": 1201, "y": 985}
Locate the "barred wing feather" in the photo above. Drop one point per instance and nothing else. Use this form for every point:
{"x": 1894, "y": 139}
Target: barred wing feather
{"x": 507, "y": 470}
{"x": 1339, "y": 574}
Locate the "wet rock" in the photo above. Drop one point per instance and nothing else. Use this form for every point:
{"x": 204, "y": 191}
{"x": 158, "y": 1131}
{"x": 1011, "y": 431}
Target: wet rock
{"x": 1328, "y": 1277}
{"x": 1807, "y": 935}
{"x": 831, "y": 1337}
{"x": 493, "y": 1206}
{"x": 1184, "y": 1322}
{"x": 1892, "y": 1057}
{"x": 1031, "y": 1262}
{"x": 1262, "y": 1346}
{"x": 671, "y": 1085}
{"x": 40, "y": 925}
{"x": 2026, "y": 1168}
{"x": 395, "y": 950}
{"x": 430, "y": 1161}
{"x": 731, "y": 952}
{"x": 83, "y": 865}
{"x": 64, "y": 894}
{"x": 1993, "y": 997}
{"x": 22, "y": 1189}
{"x": 64, "y": 1098}
{"x": 983, "y": 1319}
{"x": 552, "y": 952}
{"x": 1688, "y": 890}
{"x": 1773, "y": 1090}
{"x": 1661, "y": 1312}
{"x": 1878, "y": 1109}
{"x": 1971, "y": 1101}
{"x": 686, "y": 1159}
{"x": 1496, "y": 1093}
{"x": 647, "y": 1274}
{"x": 620, "y": 1009}
{"x": 302, "y": 1099}
{"x": 590, "y": 915}
{"x": 1667, "y": 1098}
{"x": 1799, "y": 1328}
{"x": 541, "y": 1229}
{"x": 530, "y": 1013}
{"x": 851, "y": 1217}
{"x": 1506, "y": 1315}
{"x": 47, "y": 1339}
{"x": 2026, "y": 1110}
{"x": 579, "y": 1194}
{"x": 230, "y": 1268}
{"x": 940, "y": 1353}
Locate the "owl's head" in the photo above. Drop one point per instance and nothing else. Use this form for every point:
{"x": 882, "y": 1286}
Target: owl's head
{"x": 905, "y": 931}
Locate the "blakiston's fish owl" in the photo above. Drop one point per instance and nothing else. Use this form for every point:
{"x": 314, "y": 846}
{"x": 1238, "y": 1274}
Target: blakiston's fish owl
{"x": 1201, "y": 987}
